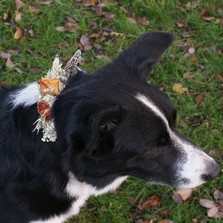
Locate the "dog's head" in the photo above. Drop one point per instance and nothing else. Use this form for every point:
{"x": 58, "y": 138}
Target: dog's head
{"x": 118, "y": 125}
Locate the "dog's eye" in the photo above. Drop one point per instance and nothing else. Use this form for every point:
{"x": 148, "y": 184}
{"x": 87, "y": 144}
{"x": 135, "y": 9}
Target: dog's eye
{"x": 164, "y": 141}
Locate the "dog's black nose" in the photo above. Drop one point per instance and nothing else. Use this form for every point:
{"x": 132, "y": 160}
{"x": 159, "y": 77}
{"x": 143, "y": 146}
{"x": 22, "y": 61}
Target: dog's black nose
{"x": 212, "y": 171}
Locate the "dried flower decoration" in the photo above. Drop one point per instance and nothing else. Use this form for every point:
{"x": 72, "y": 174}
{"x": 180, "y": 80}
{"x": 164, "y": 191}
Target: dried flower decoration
{"x": 50, "y": 86}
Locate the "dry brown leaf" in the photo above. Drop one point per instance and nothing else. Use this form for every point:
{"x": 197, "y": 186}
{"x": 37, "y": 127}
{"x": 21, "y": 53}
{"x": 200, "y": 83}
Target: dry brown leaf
{"x": 163, "y": 212}
{"x": 33, "y": 9}
{"x": 48, "y": 2}
{"x": 5, "y": 55}
{"x": 215, "y": 153}
{"x": 185, "y": 193}
{"x": 131, "y": 200}
{"x": 199, "y": 99}
{"x": 208, "y": 18}
{"x": 180, "y": 24}
{"x": 6, "y": 15}
{"x": 19, "y": 4}
{"x": 212, "y": 212}
{"x": 177, "y": 198}
{"x": 218, "y": 195}
{"x": 142, "y": 21}
{"x": 94, "y": 35}
{"x": 9, "y": 64}
{"x": 131, "y": 20}
{"x": 152, "y": 202}
{"x": 71, "y": 19}
{"x": 91, "y": 2}
{"x": 18, "y": 16}
{"x": 219, "y": 77}
{"x": 165, "y": 221}
{"x": 207, "y": 203}
{"x": 69, "y": 26}
{"x": 84, "y": 40}
{"x": 189, "y": 75}
{"x": 17, "y": 34}
{"x": 108, "y": 15}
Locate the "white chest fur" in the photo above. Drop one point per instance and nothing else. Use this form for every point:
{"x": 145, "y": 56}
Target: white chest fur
{"x": 81, "y": 191}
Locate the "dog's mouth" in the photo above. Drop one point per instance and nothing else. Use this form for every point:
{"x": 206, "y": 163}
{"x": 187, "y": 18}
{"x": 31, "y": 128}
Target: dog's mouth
{"x": 196, "y": 176}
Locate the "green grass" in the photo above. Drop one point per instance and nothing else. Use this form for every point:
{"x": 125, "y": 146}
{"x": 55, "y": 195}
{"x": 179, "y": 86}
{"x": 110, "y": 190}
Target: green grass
{"x": 36, "y": 52}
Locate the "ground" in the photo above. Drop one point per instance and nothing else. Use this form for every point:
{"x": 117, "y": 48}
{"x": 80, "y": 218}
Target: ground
{"x": 191, "y": 73}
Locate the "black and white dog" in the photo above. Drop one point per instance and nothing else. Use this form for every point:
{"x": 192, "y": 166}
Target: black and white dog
{"x": 110, "y": 125}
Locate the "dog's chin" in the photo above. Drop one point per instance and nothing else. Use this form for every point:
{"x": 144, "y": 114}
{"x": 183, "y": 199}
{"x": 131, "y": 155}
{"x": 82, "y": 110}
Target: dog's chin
{"x": 176, "y": 186}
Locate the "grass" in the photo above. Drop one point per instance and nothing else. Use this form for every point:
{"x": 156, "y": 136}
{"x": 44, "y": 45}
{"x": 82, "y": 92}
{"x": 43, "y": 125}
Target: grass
{"x": 35, "y": 53}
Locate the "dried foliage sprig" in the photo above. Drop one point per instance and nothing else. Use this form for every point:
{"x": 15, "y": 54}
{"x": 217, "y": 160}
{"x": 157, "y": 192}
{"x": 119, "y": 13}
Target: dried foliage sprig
{"x": 50, "y": 86}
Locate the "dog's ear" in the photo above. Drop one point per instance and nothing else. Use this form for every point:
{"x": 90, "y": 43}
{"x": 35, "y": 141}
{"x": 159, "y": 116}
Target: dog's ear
{"x": 145, "y": 52}
{"x": 104, "y": 128}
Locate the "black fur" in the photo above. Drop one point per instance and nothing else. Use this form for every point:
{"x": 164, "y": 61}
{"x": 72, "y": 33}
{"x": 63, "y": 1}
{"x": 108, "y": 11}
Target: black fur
{"x": 103, "y": 132}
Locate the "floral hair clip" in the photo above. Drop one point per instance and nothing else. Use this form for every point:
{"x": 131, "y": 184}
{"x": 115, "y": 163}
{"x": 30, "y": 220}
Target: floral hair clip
{"x": 50, "y": 86}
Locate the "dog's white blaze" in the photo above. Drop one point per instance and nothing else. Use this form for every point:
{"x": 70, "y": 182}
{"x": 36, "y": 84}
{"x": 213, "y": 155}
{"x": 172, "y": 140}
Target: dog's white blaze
{"x": 81, "y": 191}
{"x": 26, "y": 96}
{"x": 197, "y": 160}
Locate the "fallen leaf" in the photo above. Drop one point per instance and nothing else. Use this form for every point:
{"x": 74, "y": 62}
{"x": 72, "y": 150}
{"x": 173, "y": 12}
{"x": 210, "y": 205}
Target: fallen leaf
{"x": 34, "y": 70}
{"x": 142, "y": 21}
{"x": 191, "y": 50}
{"x": 212, "y": 212}
{"x": 19, "y": 4}
{"x": 185, "y": 193}
{"x": 179, "y": 88}
{"x": 91, "y": 2}
{"x": 48, "y": 2}
{"x": 204, "y": 12}
{"x": 207, "y": 203}
{"x": 92, "y": 209}
{"x": 84, "y": 40}
{"x": 219, "y": 77}
{"x": 71, "y": 20}
{"x": 69, "y": 26}
{"x": 33, "y": 9}
{"x": 18, "y": 70}
{"x": 18, "y": 33}
{"x": 215, "y": 153}
{"x": 208, "y": 18}
{"x": 199, "y": 99}
{"x": 180, "y": 24}
{"x": 108, "y": 15}
{"x": 220, "y": 203}
{"x": 164, "y": 221}
{"x": 9, "y": 64}
{"x": 94, "y": 35}
{"x": 152, "y": 202}
{"x": 31, "y": 32}
{"x": 131, "y": 20}
{"x": 61, "y": 29}
{"x": 18, "y": 16}
{"x": 163, "y": 212}
{"x": 220, "y": 11}
{"x": 4, "y": 55}
{"x": 131, "y": 200}
{"x": 219, "y": 21}
{"x": 189, "y": 75}
{"x": 218, "y": 195}
{"x": 6, "y": 15}
{"x": 197, "y": 120}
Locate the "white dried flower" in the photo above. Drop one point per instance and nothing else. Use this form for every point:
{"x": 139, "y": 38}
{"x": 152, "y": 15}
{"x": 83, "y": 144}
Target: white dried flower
{"x": 47, "y": 98}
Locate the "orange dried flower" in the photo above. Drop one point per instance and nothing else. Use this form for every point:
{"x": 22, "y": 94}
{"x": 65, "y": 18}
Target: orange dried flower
{"x": 43, "y": 109}
{"x": 49, "y": 86}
